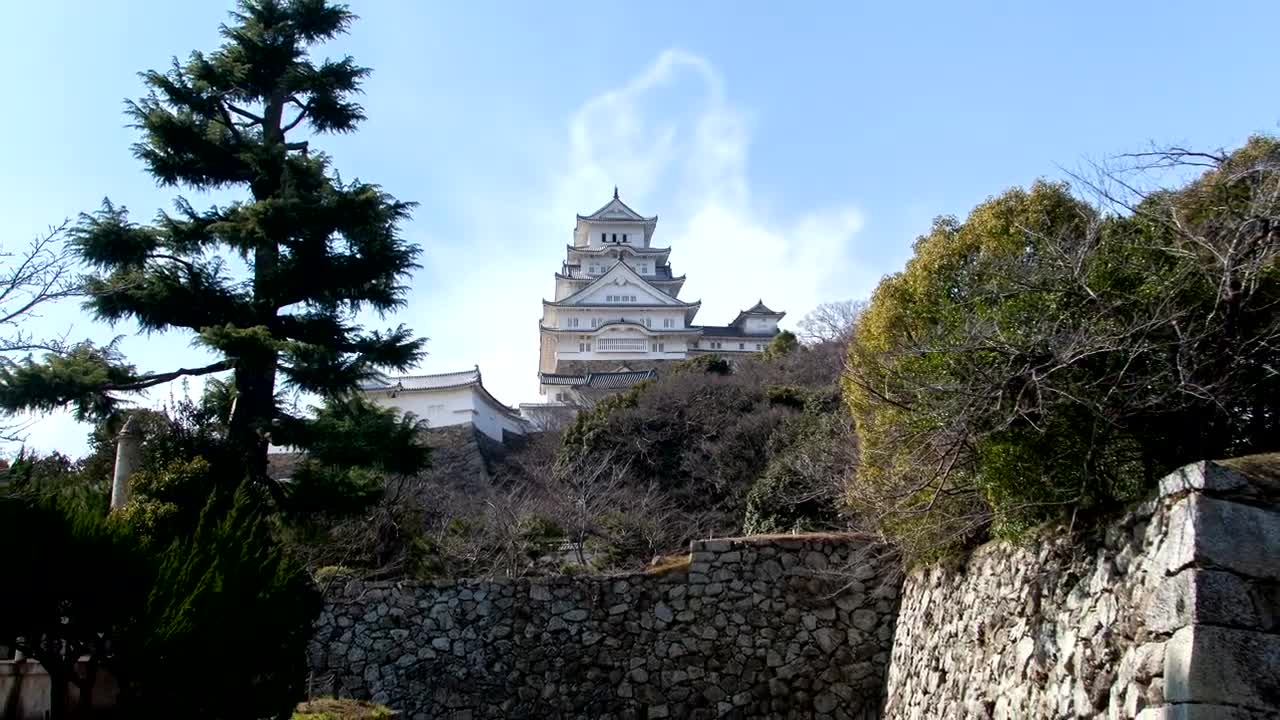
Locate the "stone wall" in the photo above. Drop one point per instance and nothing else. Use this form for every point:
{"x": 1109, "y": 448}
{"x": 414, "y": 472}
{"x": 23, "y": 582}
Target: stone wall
{"x": 460, "y": 456}
{"x": 762, "y": 627}
{"x": 1172, "y": 612}
{"x": 26, "y": 691}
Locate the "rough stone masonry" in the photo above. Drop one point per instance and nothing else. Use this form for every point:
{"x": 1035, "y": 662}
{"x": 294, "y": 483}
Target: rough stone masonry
{"x": 785, "y": 627}
{"x": 1174, "y": 612}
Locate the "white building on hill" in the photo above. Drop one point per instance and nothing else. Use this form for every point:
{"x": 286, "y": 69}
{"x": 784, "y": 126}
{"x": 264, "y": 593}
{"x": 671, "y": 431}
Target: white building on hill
{"x": 446, "y": 399}
{"x": 617, "y": 310}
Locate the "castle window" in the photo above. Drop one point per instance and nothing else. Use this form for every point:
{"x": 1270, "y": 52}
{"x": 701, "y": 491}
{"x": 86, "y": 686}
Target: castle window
{"x": 662, "y": 347}
{"x": 624, "y": 237}
{"x": 582, "y": 347}
{"x": 653, "y": 347}
{"x": 668, "y": 322}
{"x": 615, "y": 237}
{"x": 742, "y": 346}
{"x": 604, "y": 237}
{"x": 647, "y": 323}
{"x": 594, "y": 322}
{"x": 759, "y": 346}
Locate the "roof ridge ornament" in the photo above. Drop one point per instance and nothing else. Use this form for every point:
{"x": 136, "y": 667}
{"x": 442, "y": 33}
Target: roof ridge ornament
{"x": 615, "y": 192}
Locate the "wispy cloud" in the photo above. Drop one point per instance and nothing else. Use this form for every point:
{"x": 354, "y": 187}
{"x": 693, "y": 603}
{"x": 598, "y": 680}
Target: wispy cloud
{"x": 674, "y": 142}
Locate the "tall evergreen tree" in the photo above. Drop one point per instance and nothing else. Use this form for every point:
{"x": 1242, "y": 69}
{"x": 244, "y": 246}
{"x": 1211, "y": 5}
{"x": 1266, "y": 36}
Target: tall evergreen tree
{"x": 317, "y": 249}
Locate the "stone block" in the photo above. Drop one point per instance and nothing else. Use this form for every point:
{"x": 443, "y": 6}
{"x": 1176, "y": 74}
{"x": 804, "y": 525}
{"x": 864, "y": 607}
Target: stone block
{"x": 1203, "y": 476}
{"x": 1199, "y": 711}
{"x": 1215, "y": 665}
{"x": 1231, "y": 536}
{"x": 1199, "y": 596}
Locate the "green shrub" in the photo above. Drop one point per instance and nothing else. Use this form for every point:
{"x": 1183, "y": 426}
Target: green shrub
{"x": 1041, "y": 359}
{"x": 227, "y": 609}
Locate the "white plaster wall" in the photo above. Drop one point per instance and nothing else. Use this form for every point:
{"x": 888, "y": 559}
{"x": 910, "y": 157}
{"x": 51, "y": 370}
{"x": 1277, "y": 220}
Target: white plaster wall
{"x": 730, "y": 345}
{"x": 493, "y": 420}
{"x": 635, "y": 234}
{"x": 674, "y": 347}
{"x": 643, "y": 294}
{"x": 455, "y": 406}
{"x": 562, "y": 318}
{"x": 761, "y": 325}
{"x": 440, "y": 408}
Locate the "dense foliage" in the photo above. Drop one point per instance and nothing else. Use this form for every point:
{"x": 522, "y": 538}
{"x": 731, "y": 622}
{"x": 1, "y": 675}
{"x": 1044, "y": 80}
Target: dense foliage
{"x": 72, "y": 588}
{"x": 1045, "y": 358}
{"x": 226, "y": 608}
{"x": 713, "y": 448}
{"x": 316, "y": 250}
{"x": 167, "y": 621}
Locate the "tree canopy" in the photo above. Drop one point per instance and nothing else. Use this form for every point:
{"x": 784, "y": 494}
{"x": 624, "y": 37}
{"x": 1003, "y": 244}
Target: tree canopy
{"x": 1047, "y": 356}
{"x": 271, "y": 284}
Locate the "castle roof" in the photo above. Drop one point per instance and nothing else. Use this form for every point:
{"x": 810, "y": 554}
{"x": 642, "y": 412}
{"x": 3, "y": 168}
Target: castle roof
{"x": 614, "y": 212}
{"x": 621, "y": 323}
{"x": 622, "y": 271}
{"x": 729, "y": 331}
{"x": 619, "y": 380}
{"x": 587, "y": 250}
{"x": 430, "y": 383}
{"x": 617, "y": 211}
{"x": 438, "y": 381}
{"x": 758, "y": 310}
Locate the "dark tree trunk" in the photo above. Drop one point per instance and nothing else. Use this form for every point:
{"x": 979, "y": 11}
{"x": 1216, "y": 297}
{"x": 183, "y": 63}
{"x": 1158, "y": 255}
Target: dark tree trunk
{"x": 59, "y": 686}
{"x": 254, "y": 408}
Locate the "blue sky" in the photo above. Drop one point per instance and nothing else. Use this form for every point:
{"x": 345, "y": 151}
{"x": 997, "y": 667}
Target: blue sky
{"x": 793, "y": 151}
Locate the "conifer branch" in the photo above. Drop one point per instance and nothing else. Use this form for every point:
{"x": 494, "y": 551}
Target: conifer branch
{"x": 294, "y": 123}
{"x": 254, "y": 119}
{"x": 152, "y": 380}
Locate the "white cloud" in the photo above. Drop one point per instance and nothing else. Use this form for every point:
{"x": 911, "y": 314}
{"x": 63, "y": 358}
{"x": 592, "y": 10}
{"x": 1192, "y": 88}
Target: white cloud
{"x": 675, "y": 145}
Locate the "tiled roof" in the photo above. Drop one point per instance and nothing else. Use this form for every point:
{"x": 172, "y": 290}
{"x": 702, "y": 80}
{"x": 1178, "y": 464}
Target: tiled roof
{"x": 438, "y": 381}
{"x": 760, "y": 309}
{"x": 638, "y": 250}
{"x": 615, "y": 209}
{"x": 729, "y": 331}
{"x": 614, "y": 380}
{"x": 661, "y": 273}
{"x": 602, "y": 380}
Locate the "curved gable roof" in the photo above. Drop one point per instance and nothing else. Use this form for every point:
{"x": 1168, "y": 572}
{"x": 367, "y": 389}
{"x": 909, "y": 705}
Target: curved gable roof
{"x": 617, "y": 211}
{"x": 620, "y": 268}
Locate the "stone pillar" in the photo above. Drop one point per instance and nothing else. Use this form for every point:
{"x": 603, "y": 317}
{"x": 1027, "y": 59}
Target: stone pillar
{"x": 128, "y": 455}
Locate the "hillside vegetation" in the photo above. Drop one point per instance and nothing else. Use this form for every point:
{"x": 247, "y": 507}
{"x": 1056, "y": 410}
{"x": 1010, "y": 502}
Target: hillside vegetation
{"x": 1049, "y": 358}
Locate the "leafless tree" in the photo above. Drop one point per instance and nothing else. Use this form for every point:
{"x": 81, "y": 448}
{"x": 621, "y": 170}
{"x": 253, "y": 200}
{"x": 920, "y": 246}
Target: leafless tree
{"x": 831, "y": 322}
{"x": 41, "y": 273}
{"x": 584, "y": 490}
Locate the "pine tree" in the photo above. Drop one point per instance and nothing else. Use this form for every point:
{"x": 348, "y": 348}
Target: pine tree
{"x": 317, "y": 249}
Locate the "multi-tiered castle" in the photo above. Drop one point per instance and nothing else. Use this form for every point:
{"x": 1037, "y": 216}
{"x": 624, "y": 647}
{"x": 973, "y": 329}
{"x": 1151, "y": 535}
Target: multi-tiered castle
{"x": 616, "y": 319}
{"x": 617, "y": 315}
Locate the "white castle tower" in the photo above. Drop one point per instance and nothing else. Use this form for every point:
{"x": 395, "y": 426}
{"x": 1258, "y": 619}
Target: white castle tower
{"x": 617, "y": 316}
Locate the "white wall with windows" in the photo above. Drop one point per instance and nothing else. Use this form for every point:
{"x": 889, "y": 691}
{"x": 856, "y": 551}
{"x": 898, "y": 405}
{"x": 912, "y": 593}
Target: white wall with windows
{"x": 614, "y": 234}
{"x": 622, "y": 344}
